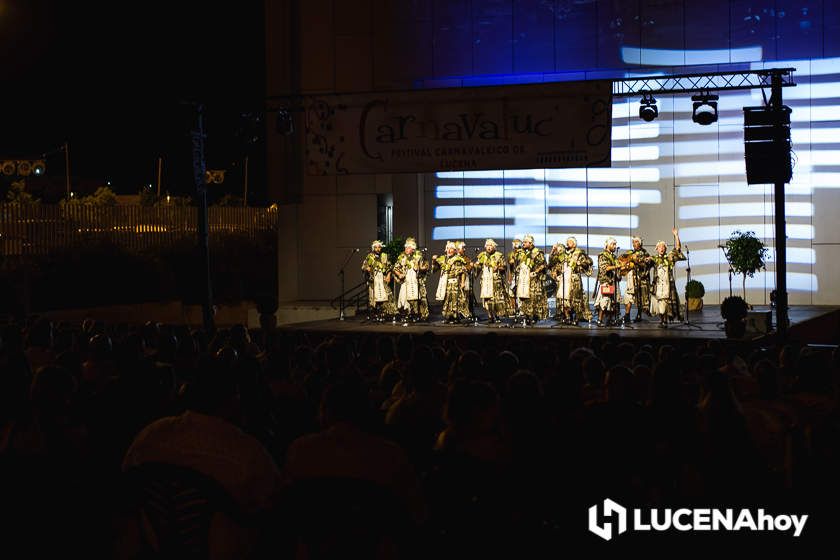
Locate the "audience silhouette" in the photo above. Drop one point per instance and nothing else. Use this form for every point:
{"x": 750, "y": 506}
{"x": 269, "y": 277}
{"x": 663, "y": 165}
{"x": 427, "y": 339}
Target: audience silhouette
{"x": 285, "y": 444}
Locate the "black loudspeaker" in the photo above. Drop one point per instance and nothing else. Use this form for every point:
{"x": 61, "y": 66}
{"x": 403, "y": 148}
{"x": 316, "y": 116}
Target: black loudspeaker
{"x": 767, "y": 145}
{"x": 759, "y": 322}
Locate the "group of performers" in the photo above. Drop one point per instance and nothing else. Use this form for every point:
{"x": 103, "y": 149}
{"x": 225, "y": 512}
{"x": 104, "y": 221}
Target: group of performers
{"x": 514, "y": 286}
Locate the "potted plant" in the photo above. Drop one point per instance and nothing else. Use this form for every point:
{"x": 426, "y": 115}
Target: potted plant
{"x": 694, "y": 292}
{"x": 394, "y": 248}
{"x": 734, "y": 312}
{"x": 746, "y": 254}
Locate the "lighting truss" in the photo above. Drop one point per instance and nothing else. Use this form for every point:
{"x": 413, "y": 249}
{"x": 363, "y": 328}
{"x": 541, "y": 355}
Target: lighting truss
{"x": 686, "y": 83}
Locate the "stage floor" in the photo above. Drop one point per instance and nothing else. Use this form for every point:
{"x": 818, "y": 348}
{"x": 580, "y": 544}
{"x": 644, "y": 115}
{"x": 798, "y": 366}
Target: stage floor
{"x": 706, "y": 324}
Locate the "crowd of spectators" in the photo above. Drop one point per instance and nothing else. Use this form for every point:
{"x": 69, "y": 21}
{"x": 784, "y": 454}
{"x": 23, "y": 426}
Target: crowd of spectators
{"x": 126, "y": 440}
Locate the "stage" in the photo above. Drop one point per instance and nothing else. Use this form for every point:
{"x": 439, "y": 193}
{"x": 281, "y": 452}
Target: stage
{"x": 808, "y": 324}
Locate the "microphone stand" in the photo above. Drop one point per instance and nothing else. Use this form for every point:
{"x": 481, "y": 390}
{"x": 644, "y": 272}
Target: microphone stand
{"x": 730, "y": 271}
{"x": 516, "y": 309}
{"x": 565, "y": 319}
{"x": 394, "y": 294}
{"x": 687, "y": 322}
{"x": 341, "y": 274}
{"x": 519, "y": 315}
{"x": 730, "y": 280}
{"x": 723, "y": 248}
{"x": 616, "y": 311}
{"x": 472, "y": 302}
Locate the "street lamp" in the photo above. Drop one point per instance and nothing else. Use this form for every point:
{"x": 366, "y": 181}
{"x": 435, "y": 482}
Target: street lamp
{"x": 67, "y": 167}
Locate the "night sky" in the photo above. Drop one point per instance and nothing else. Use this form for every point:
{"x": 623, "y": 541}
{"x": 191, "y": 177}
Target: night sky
{"x": 110, "y": 78}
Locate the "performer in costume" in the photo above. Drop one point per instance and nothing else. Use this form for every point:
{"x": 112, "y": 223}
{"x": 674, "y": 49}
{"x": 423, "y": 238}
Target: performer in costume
{"x": 513, "y": 267}
{"x": 378, "y": 272}
{"x": 513, "y": 256}
{"x": 469, "y": 293}
{"x": 410, "y": 272}
{"x": 454, "y": 301}
{"x": 439, "y": 263}
{"x": 491, "y": 265}
{"x": 665, "y": 301}
{"x": 608, "y": 290}
{"x": 530, "y": 287}
{"x": 572, "y": 301}
{"x": 555, "y": 269}
{"x": 636, "y": 264}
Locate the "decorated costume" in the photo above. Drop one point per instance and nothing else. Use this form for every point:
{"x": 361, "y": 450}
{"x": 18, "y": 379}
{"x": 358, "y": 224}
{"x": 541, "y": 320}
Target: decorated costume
{"x": 410, "y": 271}
{"x": 377, "y": 270}
{"x": 491, "y": 271}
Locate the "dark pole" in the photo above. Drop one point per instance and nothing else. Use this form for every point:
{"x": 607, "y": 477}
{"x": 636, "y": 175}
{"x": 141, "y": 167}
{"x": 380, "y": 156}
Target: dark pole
{"x": 781, "y": 234}
{"x": 197, "y": 136}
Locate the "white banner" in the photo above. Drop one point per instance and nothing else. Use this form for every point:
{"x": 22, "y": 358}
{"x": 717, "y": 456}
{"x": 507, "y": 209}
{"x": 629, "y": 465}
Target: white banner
{"x": 532, "y": 126}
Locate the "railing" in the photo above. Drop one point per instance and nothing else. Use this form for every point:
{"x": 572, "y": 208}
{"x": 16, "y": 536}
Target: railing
{"x": 36, "y": 229}
{"x": 357, "y": 297}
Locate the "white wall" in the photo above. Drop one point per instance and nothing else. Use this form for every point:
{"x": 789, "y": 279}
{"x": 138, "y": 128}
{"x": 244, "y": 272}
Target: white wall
{"x": 350, "y": 46}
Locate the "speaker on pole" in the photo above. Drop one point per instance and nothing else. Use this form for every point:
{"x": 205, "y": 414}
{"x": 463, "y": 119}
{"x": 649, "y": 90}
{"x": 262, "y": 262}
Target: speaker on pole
{"x": 767, "y": 145}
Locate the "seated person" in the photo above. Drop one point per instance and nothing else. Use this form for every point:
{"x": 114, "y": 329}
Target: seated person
{"x": 207, "y": 439}
{"x": 344, "y": 450}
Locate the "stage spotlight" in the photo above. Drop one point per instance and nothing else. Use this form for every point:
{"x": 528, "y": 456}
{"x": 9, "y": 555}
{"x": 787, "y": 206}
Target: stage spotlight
{"x": 214, "y": 176}
{"x": 24, "y": 168}
{"x": 9, "y": 167}
{"x": 284, "y": 124}
{"x": 648, "y": 109}
{"x": 705, "y": 109}
{"x": 39, "y": 167}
